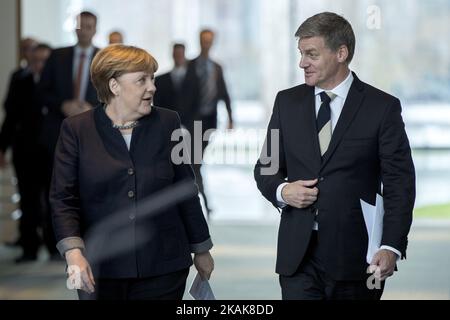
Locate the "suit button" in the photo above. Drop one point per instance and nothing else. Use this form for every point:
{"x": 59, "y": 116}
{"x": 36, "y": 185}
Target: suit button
{"x": 131, "y": 171}
{"x": 130, "y": 194}
{"x": 321, "y": 179}
{"x": 132, "y": 216}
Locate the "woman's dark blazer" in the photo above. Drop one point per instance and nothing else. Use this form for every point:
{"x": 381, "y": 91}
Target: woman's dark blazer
{"x": 100, "y": 186}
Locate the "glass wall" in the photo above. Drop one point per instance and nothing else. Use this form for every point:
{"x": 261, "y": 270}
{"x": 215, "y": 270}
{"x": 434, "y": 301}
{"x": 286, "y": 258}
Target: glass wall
{"x": 401, "y": 45}
{"x": 402, "y": 48}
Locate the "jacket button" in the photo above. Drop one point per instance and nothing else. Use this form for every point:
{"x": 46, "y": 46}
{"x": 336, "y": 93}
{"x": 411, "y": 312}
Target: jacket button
{"x": 130, "y": 194}
{"x": 321, "y": 179}
{"x": 132, "y": 217}
{"x": 131, "y": 171}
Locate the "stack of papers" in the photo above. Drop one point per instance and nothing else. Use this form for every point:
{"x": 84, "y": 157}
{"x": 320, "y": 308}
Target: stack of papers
{"x": 373, "y": 217}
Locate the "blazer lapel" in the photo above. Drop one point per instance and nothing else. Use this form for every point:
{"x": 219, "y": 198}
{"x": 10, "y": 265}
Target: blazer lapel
{"x": 352, "y": 104}
{"x": 112, "y": 139}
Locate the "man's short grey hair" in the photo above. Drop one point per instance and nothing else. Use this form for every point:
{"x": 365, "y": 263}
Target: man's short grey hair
{"x": 333, "y": 28}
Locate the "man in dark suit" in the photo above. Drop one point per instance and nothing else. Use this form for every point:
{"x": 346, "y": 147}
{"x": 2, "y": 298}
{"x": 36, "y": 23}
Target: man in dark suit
{"x": 174, "y": 91}
{"x": 207, "y": 75}
{"x": 331, "y": 142}
{"x": 19, "y": 132}
{"x": 66, "y": 89}
{"x": 26, "y": 49}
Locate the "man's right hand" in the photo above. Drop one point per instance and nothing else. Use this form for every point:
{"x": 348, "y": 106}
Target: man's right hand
{"x": 75, "y": 257}
{"x": 71, "y": 108}
{"x": 300, "y": 194}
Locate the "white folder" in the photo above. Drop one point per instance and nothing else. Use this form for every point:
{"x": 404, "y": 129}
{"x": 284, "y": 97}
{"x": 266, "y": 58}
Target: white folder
{"x": 373, "y": 217}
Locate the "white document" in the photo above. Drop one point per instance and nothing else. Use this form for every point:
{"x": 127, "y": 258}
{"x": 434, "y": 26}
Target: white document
{"x": 373, "y": 217}
{"x": 200, "y": 289}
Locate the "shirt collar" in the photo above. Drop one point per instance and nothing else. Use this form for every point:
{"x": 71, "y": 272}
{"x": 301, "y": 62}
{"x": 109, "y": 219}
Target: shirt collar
{"x": 342, "y": 89}
{"x": 88, "y": 51}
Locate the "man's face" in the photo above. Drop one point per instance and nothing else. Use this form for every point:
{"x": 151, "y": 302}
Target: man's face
{"x": 38, "y": 60}
{"x": 27, "y": 47}
{"x": 179, "y": 56}
{"x": 86, "y": 31}
{"x": 206, "y": 41}
{"x": 319, "y": 62}
{"x": 115, "y": 38}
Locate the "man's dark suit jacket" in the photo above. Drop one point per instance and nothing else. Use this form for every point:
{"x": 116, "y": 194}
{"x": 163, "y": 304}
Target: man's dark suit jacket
{"x": 369, "y": 146}
{"x": 209, "y": 122}
{"x": 56, "y": 86}
{"x": 180, "y": 100}
{"x": 96, "y": 176}
{"x": 22, "y": 117}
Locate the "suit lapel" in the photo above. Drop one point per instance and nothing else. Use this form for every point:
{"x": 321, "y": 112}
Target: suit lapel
{"x": 91, "y": 93}
{"x": 67, "y": 66}
{"x": 352, "y": 104}
{"x": 303, "y": 121}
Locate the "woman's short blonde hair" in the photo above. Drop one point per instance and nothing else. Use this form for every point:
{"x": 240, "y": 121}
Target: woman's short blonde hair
{"x": 116, "y": 60}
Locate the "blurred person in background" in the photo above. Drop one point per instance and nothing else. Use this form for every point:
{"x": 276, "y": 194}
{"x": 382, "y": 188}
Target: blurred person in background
{"x": 175, "y": 91}
{"x": 66, "y": 90}
{"x": 209, "y": 83}
{"x": 115, "y": 37}
{"x": 25, "y": 50}
{"x": 20, "y": 132}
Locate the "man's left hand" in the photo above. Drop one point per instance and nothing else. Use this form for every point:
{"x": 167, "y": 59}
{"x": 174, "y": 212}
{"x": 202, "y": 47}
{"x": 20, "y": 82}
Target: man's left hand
{"x": 230, "y": 125}
{"x": 384, "y": 260}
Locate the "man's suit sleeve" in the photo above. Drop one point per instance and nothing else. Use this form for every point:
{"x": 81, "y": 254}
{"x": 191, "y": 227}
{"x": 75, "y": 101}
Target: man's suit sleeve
{"x": 270, "y": 169}
{"x": 10, "y": 107}
{"x": 48, "y": 93}
{"x": 223, "y": 92}
{"x": 398, "y": 177}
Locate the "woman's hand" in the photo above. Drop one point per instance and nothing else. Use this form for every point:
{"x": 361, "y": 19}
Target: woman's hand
{"x": 80, "y": 268}
{"x": 204, "y": 264}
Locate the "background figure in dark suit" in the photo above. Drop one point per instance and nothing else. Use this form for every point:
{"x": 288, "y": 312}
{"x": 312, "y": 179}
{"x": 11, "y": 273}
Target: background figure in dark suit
{"x": 339, "y": 140}
{"x": 19, "y": 132}
{"x": 66, "y": 90}
{"x": 65, "y": 87}
{"x": 173, "y": 90}
{"x": 210, "y": 87}
{"x": 111, "y": 162}
{"x": 26, "y": 49}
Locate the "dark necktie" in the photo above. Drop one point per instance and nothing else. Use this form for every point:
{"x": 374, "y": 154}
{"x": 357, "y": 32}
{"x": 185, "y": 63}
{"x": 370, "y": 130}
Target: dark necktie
{"x": 79, "y": 76}
{"x": 324, "y": 129}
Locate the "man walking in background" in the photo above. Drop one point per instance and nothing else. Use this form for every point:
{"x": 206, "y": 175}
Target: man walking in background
{"x": 174, "y": 91}
{"x": 66, "y": 90}
{"x": 19, "y": 132}
{"x": 211, "y": 88}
